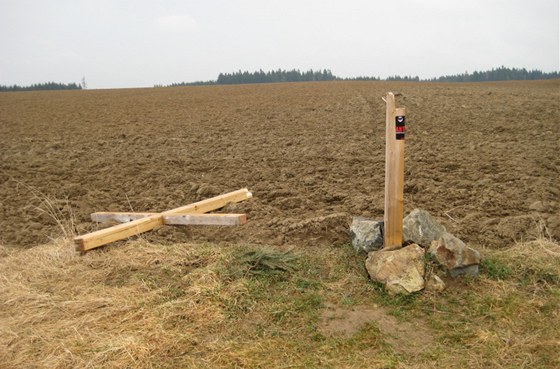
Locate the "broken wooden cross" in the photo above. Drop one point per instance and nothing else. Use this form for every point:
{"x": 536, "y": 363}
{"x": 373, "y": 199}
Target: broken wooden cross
{"x": 136, "y": 223}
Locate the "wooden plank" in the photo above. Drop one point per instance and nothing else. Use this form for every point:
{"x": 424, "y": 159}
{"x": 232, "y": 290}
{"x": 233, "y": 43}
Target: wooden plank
{"x": 121, "y": 231}
{"x": 200, "y": 207}
{"x": 211, "y": 204}
{"x": 180, "y": 219}
{"x": 104, "y": 217}
{"x": 125, "y": 230}
{"x": 394, "y": 177}
{"x": 206, "y": 219}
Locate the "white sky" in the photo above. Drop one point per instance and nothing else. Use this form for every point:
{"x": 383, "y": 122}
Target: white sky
{"x": 133, "y": 43}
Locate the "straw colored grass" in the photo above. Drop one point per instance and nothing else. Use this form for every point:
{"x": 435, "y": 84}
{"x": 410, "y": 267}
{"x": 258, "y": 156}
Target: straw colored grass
{"x": 141, "y": 305}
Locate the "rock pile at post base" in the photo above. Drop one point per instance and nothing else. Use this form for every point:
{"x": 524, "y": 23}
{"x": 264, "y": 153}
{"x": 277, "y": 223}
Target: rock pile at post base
{"x": 403, "y": 270}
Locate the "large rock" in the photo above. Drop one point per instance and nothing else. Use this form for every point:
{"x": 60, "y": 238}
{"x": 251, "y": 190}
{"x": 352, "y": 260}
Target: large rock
{"x": 401, "y": 270}
{"x": 421, "y": 228}
{"x": 366, "y": 234}
{"x": 455, "y": 256}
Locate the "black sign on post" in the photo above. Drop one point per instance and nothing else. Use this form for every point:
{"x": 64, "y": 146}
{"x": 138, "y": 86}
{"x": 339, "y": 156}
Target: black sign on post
{"x": 400, "y": 126}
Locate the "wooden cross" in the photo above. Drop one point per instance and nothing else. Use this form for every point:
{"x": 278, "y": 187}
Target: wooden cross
{"x": 136, "y": 223}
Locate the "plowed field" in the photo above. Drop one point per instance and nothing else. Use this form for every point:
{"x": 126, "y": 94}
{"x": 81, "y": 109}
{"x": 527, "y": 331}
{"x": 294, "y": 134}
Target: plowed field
{"x": 482, "y": 158}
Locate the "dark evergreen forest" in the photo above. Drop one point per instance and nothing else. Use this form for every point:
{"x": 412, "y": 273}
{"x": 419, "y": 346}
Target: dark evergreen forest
{"x": 42, "y": 86}
{"x": 295, "y": 75}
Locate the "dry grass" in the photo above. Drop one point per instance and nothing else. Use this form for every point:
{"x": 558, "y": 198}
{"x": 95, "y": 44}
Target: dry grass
{"x": 57, "y": 211}
{"x": 142, "y": 305}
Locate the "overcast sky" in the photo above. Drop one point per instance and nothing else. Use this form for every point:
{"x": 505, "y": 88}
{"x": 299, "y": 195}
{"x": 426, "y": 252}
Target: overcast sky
{"x": 133, "y": 43}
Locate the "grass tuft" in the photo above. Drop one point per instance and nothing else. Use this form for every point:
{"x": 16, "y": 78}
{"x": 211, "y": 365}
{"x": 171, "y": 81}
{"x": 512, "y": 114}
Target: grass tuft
{"x": 266, "y": 261}
{"x": 495, "y": 269}
{"x": 58, "y": 211}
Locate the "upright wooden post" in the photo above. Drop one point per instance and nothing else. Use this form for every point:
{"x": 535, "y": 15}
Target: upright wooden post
{"x": 394, "y": 174}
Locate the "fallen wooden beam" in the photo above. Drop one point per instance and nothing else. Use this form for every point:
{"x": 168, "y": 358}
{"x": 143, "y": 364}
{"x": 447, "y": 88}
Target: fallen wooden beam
{"x": 212, "y": 204}
{"x": 105, "y": 217}
{"x": 121, "y": 231}
{"x": 147, "y": 223}
{"x": 181, "y": 219}
{"x": 206, "y": 219}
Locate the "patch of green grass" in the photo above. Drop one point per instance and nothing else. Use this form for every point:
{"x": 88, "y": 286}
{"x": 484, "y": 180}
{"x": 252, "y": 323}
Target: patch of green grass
{"x": 307, "y": 284}
{"x": 347, "y": 301}
{"x": 541, "y": 276}
{"x": 495, "y": 269}
{"x": 400, "y": 305}
{"x": 533, "y": 264}
{"x": 459, "y": 335}
{"x": 308, "y": 302}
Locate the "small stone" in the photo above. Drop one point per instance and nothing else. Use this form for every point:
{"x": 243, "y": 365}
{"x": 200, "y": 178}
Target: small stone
{"x": 455, "y": 256}
{"x": 537, "y": 206}
{"x": 421, "y": 228}
{"x": 366, "y": 234}
{"x": 401, "y": 270}
{"x": 206, "y": 190}
{"x": 435, "y": 284}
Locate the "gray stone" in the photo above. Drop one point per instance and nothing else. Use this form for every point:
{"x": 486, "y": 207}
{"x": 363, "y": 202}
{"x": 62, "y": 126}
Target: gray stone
{"x": 366, "y": 234}
{"x": 421, "y": 228}
{"x": 401, "y": 270}
{"x": 455, "y": 256}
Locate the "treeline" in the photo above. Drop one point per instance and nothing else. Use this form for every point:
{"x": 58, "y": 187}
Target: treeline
{"x": 295, "y": 75}
{"x": 280, "y": 75}
{"x": 390, "y": 78}
{"x": 498, "y": 74}
{"x": 404, "y": 79}
{"x": 42, "y": 86}
{"x": 495, "y": 74}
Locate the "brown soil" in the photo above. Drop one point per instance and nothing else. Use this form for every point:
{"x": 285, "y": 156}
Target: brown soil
{"x": 482, "y": 158}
